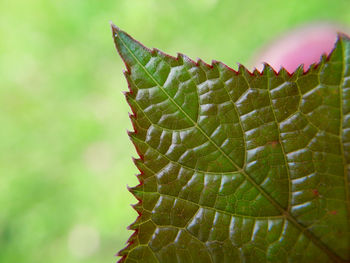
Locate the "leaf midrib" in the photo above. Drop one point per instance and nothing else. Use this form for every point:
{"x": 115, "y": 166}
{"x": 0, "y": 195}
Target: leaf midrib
{"x": 332, "y": 255}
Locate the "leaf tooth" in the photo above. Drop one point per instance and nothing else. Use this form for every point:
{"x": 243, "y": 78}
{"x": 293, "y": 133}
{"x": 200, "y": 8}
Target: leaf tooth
{"x": 127, "y": 94}
{"x": 135, "y": 138}
{"x": 123, "y": 254}
{"x": 203, "y": 64}
{"x": 316, "y": 66}
{"x": 297, "y": 72}
{"x": 313, "y": 66}
{"x": 282, "y": 72}
{"x": 137, "y": 117}
{"x": 266, "y": 69}
{"x": 143, "y": 215}
{"x": 324, "y": 59}
{"x": 132, "y": 134}
{"x": 129, "y": 99}
{"x": 217, "y": 63}
{"x": 133, "y": 118}
{"x": 133, "y": 237}
{"x": 137, "y": 188}
{"x": 122, "y": 260}
{"x": 137, "y": 128}
{"x": 257, "y": 73}
{"x": 243, "y": 70}
{"x": 180, "y": 57}
{"x": 144, "y": 171}
{"x": 342, "y": 37}
{"x": 126, "y": 73}
{"x": 157, "y": 52}
{"x": 221, "y": 65}
{"x": 185, "y": 59}
{"x": 299, "y": 69}
{"x": 132, "y": 89}
{"x": 140, "y": 177}
{"x": 137, "y": 145}
{"x": 138, "y": 207}
{"x": 132, "y": 242}
{"x": 134, "y": 226}
{"x": 138, "y": 163}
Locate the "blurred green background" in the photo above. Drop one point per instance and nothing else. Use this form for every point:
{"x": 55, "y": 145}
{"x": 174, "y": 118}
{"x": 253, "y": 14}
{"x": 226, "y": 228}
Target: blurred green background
{"x": 65, "y": 157}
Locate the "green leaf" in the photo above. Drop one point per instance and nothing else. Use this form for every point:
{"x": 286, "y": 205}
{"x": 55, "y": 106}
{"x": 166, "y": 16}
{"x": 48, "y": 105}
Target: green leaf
{"x": 238, "y": 166}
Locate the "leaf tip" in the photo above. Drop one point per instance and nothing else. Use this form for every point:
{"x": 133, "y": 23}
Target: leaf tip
{"x": 114, "y": 28}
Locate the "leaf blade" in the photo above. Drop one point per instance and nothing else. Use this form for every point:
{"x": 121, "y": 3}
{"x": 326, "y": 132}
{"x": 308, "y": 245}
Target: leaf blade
{"x": 264, "y": 128}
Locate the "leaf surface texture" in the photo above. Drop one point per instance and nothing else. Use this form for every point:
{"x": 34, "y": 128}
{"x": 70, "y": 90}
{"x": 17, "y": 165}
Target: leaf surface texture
{"x": 238, "y": 166}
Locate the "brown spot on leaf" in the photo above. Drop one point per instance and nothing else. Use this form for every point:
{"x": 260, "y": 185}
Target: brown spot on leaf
{"x": 273, "y": 143}
{"x": 315, "y": 192}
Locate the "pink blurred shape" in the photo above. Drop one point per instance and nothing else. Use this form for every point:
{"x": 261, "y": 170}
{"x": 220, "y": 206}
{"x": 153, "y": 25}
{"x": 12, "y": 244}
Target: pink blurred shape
{"x": 303, "y": 45}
